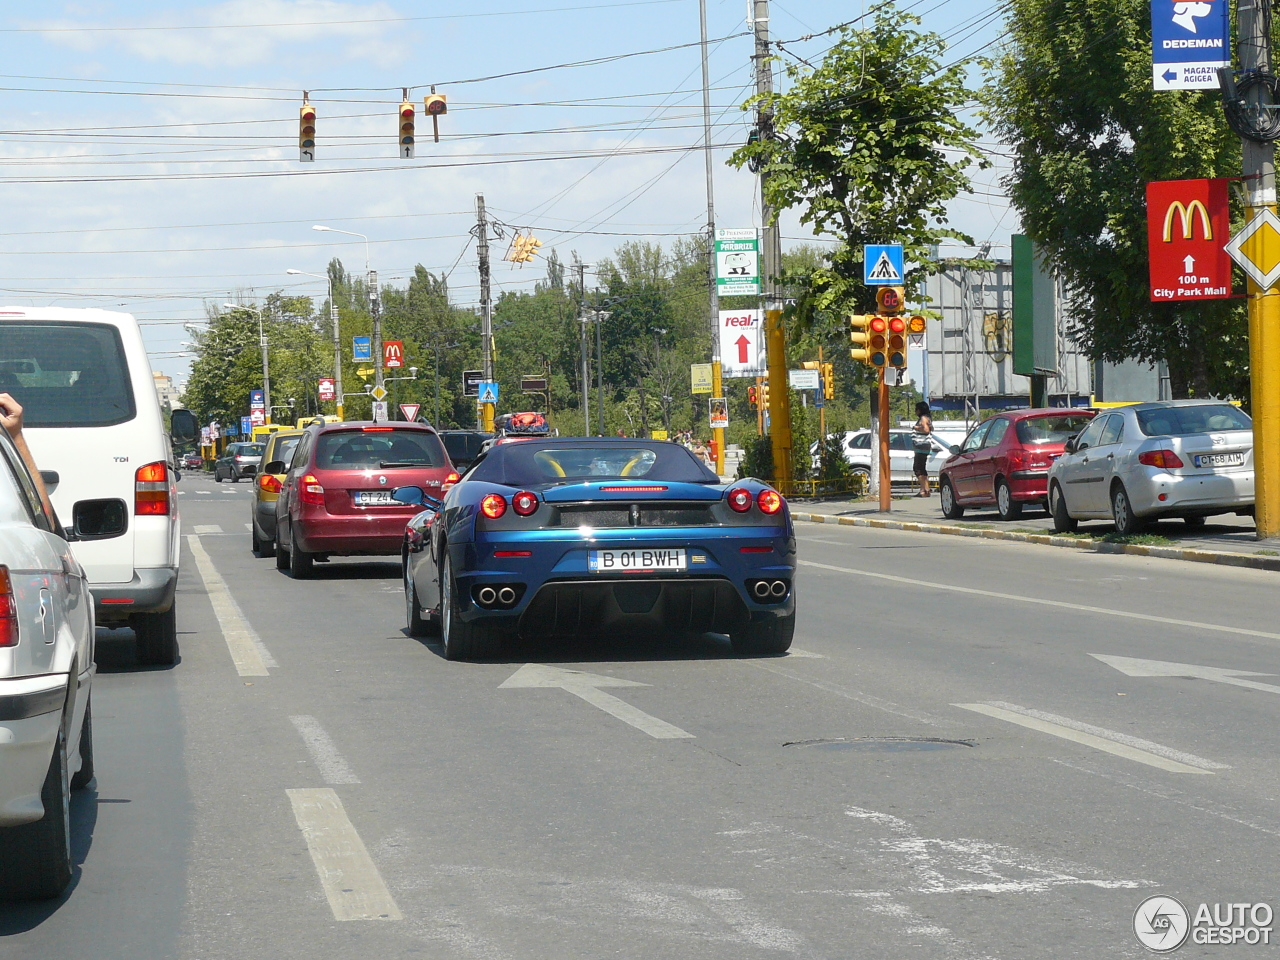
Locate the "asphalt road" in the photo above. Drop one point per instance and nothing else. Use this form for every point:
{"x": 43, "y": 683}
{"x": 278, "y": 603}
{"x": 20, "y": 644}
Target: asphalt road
{"x": 943, "y": 767}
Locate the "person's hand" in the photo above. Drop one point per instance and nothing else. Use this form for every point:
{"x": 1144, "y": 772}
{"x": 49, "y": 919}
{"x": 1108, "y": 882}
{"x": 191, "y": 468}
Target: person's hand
{"x": 10, "y": 415}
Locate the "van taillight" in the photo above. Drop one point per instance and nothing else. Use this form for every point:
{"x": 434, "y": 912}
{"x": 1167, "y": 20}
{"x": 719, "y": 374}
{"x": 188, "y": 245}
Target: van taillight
{"x": 310, "y": 490}
{"x": 151, "y": 490}
{"x": 8, "y": 611}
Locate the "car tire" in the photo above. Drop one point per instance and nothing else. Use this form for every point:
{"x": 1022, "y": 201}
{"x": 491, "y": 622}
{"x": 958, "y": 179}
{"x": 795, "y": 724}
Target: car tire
{"x": 301, "y": 563}
{"x": 947, "y": 497}
{"x": 282, "y": 557}
{"x": 864, "y": 473}
{"x": 261, "y": 548}
{"x": 233, "y": 476}
{"x": 35, "y": 858}
{"x": 1063, "y": 522}
{"x": 217, "y": 477}
{"x": 1006, "y": 506}
{"x": 765, "y": 637}
{"x": 462, "y": 640}
{"x": 1127, "y": 522}
{"x": 157, "y": 637}
{"x": 417, "y": 624}
{"x": 82, "y": 776}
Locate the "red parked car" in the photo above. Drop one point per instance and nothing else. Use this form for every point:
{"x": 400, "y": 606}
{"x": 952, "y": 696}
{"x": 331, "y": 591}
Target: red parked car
{"x": 336, "y": 496}
{"x": 1005, "y": 461}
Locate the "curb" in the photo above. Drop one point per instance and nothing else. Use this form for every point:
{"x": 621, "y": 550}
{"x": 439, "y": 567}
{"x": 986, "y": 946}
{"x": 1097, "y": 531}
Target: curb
{"x": 1221, "y": 558}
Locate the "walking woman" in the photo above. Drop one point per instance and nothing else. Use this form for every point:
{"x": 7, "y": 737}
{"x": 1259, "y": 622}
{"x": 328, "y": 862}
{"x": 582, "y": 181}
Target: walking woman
{"x": 920, "y": 443}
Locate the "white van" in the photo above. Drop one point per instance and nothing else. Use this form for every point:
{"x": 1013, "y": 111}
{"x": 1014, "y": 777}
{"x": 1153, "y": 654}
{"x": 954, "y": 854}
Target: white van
{"x": 94, "y": 425}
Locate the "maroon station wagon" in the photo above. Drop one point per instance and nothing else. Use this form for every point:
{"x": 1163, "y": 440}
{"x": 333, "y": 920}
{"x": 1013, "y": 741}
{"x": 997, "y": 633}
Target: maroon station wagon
{"x": 336, "y": 497}
{"x": 1005, "y": 461}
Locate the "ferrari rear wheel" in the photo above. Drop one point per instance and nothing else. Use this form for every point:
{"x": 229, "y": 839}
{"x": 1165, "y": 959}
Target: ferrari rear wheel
{"x": 765, "y": 636}
{"x": 462, "y": 640}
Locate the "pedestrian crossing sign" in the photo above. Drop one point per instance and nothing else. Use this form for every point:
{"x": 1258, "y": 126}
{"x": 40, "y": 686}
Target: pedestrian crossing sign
{"x": 882, "y": 264}
{"x": 488, "y": 391}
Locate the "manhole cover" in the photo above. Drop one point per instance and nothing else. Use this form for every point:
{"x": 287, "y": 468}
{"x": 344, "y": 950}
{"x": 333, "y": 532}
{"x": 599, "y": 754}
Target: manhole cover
{"x": 886, "y": 744}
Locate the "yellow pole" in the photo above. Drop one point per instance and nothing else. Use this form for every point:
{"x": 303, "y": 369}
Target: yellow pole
{"x": 779, "y": 400}
{"x": 486, "y": 417}
{"x": 886, "y": 477}
{"x": 1264, "y": 371}
{"x": 717, "y": 390}
{"x": 822, "y": 410}
{"x": 340, "y": 415}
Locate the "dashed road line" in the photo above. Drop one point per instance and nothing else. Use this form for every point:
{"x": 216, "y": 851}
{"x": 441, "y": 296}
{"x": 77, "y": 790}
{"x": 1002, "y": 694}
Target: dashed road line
{"x": 248, "y": 652}
{"x": 354, "y": 887}
{"x": 324, "y": 752}
{"x": 207, "y": 528}
{"x": 1099, "y": 738}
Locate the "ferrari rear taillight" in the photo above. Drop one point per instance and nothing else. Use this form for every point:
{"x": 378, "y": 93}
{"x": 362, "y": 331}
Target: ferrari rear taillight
{"x": 8, "y": 611}
{"x": 1160, "y": 458}
{"x": 740, "y": 499}
{"x": 267, "y": 483}
{"x": 769, "y": 501}
{"x": 493, "y": 505}
{"x": 525, "y": 503}
{"x": 310, "y": 490}
{"x": 151, "y": 490}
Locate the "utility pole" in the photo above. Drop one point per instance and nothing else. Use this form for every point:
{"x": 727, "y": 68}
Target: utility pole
{"x": 586, "y": 349}
{"x": 775, "y": 332}
{"x": 337, "y": 351}
{"x": 1264, "y": 305}
{"x": 486, "y": 309}
{"x": 598, "y": 316}
{"x": 266, "y": 370}
{"x": 717, "y": 381}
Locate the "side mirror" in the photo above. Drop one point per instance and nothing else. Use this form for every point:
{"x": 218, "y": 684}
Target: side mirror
{"x": 955, "y": 448}
{"x": 98, "y": 519}
{"x": 1070, "y": 445}
{"x": 275, "y": 466}
{"x": 182, "y": 426}
{"x": 412, "y": 495}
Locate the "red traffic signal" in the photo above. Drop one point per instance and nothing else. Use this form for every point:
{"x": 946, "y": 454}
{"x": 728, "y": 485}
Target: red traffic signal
{"x": 753, "y": 397}
{"x": 406, "y": 129}
{"x": 306, "y": 133}
{"x": 878, "y": 344}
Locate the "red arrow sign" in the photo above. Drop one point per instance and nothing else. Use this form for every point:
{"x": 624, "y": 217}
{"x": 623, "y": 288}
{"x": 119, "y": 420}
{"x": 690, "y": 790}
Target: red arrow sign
{"x": 742, "y": 343}
{"x": 410, "y": 411}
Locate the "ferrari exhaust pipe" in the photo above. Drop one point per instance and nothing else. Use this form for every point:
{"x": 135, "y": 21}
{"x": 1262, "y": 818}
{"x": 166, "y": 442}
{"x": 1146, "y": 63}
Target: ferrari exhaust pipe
{"x": 779, "y": 588}
{"x": 486, "y": 595}
{"x": 506, "y": 596}
{"x": 761, "y": 588}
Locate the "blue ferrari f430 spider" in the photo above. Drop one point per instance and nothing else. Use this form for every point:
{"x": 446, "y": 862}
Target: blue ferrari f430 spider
{"x": 586, "y": 537}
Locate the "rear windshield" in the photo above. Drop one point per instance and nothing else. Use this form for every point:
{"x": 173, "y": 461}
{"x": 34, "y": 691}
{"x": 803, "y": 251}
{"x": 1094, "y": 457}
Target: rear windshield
{"x": 1052, "y": 429}
{"x": 1180, "y": 421}
{"x": 251, "y": 449}
{"x": 66, "y": 374}
{"x": 382, "y": 450}
{"x": 528, "y": 463}
{"x": 285, "y": 448}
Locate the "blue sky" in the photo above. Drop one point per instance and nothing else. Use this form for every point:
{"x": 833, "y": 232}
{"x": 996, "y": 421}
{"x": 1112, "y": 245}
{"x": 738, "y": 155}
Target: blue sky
{"x": 154, "y": 169}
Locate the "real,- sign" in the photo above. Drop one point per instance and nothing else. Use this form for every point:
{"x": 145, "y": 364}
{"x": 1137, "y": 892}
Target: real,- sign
{"x": 326, "y": 390}
{"x": 1187, "y": 228}
{"x": 700, "y": 378}
{"x": 361, "y": 348}
{"x": 393, "y": 354}
{"x": 1190, "y": 40}
{"x": 882, "y": 264}
{"x": 410, "y": 411}
{"x": 742, "y": 352}
{"x": 471, "y": 382}
{"x": 737, "y": 262}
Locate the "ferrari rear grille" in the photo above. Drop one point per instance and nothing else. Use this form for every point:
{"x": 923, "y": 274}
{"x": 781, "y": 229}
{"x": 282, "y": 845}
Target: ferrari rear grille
{"x": 635, "y": 515}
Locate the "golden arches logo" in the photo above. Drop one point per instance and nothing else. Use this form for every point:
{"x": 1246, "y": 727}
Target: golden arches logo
{"x": 1187, "y": 214}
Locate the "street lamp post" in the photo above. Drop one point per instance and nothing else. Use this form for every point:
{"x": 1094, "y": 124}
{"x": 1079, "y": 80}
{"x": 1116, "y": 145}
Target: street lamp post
{"x": 375, "y": 305}
{"x": 337, "y": 343}
{"x": 266, "y": 363}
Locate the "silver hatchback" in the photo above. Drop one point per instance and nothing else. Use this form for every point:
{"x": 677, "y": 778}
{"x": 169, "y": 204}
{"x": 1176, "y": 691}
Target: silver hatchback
{"x": 1182, "y": 458}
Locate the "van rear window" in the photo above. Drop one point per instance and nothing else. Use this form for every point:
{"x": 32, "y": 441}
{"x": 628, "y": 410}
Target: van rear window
{"x": 66, "y": 374}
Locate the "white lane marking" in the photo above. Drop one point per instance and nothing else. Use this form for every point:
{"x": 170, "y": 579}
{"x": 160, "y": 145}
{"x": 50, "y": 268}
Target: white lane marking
{"x": 350, "y": 880}
{"x": 248, "y": 652}
{"x": 587, "y": 686}
{"x": 1040, "y": 601}
{"x": 207, "y": 528}
{"x": 834, "y": 543}
{"x": 805, "y": 654}
{"x": 1134, "y": 667}
{"x": 205, "y": 493}
{"x": 1119, "y": 744}
{"x": 864, "y": 698}
{"x": 324, "y": 752}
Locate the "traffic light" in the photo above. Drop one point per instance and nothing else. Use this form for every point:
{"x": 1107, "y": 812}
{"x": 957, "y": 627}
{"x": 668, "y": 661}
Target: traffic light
{"x": 878, "y": 346}
{"x": 436, "y": 105}
{"x": 306, "y": 133}
{"x": 764, "y": 395}
{"x": 406, "y": 130}
{"x": 897, "y": 341}
{"x": 828, "y": 371}
{"x": 860, "y": 336}
{"x": 890, "y": 301}
{"x": 916, "y": 324}
{"x": 753, "y": 397}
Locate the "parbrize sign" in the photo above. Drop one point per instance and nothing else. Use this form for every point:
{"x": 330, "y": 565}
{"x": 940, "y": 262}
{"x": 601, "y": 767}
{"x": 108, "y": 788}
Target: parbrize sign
{"x": 737, "y": 263}
{"x": 1189, "y": 42}
{"x": 1187, "y": 228}
{"x": 742, "y": 352}
{"x": 326, "y": 390}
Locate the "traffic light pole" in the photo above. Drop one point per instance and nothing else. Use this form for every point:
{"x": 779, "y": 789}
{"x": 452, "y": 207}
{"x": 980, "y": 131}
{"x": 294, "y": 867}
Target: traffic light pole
{"x": 886, "y": 478}
{"x": 1264, "y": 305}
{"x": 775, "y": 331}
{"x": 486, "y": 309}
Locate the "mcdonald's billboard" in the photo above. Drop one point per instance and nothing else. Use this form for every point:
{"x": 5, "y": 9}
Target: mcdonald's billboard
{"x": 1188, "y": 225}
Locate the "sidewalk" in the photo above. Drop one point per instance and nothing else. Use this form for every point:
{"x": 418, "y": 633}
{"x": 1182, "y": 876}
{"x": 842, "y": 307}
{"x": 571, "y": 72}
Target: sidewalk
{"x": 1225, "y": 539}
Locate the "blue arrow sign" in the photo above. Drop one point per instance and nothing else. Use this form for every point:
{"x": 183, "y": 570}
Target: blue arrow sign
{"x": 1190, "y": 40}
{"x": 246, "y": 426}
{"x": 361, "y": 348}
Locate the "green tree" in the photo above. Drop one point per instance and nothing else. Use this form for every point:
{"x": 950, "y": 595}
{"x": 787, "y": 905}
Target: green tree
{"x": 1072, "y": 94}
{"x": 870, "y": 145}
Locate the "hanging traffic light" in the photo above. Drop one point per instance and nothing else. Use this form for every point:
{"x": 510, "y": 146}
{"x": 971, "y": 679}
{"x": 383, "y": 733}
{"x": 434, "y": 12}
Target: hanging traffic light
{"x": 890, "y": 301}
{"x": 828, "y": 371}
{"x": 306, "y": 133}
{"x": 897, "y": 342}
{"x": 878, "y": 346}
{"x": 436, "y": 105}
{"x": 860, "y": 337}
{"x": 406, "y": 130}
{"x": 523, "y": 248}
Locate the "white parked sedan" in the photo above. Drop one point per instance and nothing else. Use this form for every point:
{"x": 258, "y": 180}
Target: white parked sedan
{"x": 1181, "y": 458}
{"x": 857, "y": 450}
{"x": 46, "y": 669}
